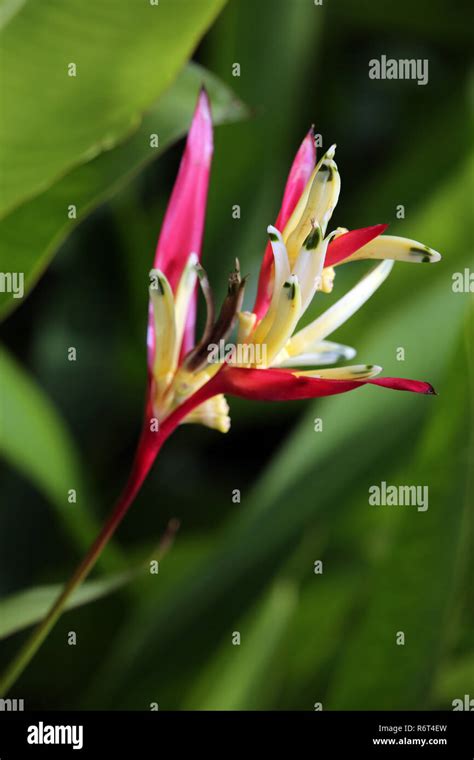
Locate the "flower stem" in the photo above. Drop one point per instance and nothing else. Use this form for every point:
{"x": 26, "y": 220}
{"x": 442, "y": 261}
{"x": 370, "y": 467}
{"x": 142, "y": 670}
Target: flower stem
{"x": 33, "y": 643}
{"x": 146, "y": 454}
{"x": 149, "y": 445}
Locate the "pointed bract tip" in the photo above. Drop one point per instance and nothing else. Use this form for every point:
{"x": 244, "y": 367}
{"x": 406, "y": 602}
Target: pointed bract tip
{"x": 430, "y": 391}
{"x": 204, "y": 103}
{"x": 203, "y": 93}
{"x": 200, "y": 133}
{"x": 307, "y": 150}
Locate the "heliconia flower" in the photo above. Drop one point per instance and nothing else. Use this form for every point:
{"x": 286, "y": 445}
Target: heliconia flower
{"x": 274, "y": 360}
{"x": 280, "y": 362}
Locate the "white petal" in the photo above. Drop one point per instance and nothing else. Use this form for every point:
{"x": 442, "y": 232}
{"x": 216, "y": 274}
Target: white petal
{"x": 184, "y": 295}
{"x": 309, "y": 266}
{"x": 316, "y": 204}
{"x": 286, "y": 318}
{"x": 281, "y": 274}
{"x": 354, "y": 372}
{"x": 339, "y": 312}
{"x": 166, "y": 347}
{"x": 397, "y": 248}
{"x": 318, "y": 355}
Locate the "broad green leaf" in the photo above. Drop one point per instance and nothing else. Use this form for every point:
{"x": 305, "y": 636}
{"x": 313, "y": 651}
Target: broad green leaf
{"x": 35, "y": 441}
{"x": 233, "y": 679}
{"x": 31, "y": 234}
{"x": 77, "y": 79}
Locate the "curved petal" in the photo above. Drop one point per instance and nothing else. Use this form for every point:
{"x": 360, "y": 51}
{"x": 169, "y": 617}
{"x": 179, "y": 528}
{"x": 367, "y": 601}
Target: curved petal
{"x": 298, "y": 177}
{"x": 316, "y": 204}
{"x": 284, "y": 385}
{"x": 345, "y": 245}
{"x": 398, "y": 249}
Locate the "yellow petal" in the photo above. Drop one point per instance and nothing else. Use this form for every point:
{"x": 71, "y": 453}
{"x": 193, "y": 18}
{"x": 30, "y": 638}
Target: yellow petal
{"x": 184, "y": 295}
{"x": 281, "y": 273}
{"x": 397, "y": 248}
{"x": 166, "y": 347}
{"x": 213, "y": 413}
{"x": 316, "y": 204}
{"x": 355, "y": 372}
{"x": 286, "y": 318}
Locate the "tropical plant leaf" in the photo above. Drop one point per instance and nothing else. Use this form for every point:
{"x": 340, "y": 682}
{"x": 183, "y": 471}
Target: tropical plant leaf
{"x": 234, "y": 677}
{"x": 98, "y": 70}
{"x": 413, "y": 589}
{"x": 31, "y": 234}
{"x": 30, "y": 429}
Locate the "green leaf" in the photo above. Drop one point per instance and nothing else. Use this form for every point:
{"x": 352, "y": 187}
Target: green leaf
{"x": 405, "y": 19}
{"x": 454, "y": 681}
{"x": 413, "y": 589}
{"x": 25, "y": 608}
{"x": 35, "y": 441}
{"x": 233, "y": 679}
{"x": 125, "y": 55}
{"x": 31, "y": 234}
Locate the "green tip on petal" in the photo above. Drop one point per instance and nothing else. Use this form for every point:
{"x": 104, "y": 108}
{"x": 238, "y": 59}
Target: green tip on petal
{"x": 329, "y": 169}
{"x": 156, "y": 284}
{"x": 312, "y": 240}
{"x": 291, "y": 286}
{"x": 424, "y": 254}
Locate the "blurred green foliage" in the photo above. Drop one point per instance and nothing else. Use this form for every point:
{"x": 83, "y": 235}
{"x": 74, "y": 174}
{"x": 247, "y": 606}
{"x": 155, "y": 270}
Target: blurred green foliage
{"x": 248, "y": 567}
